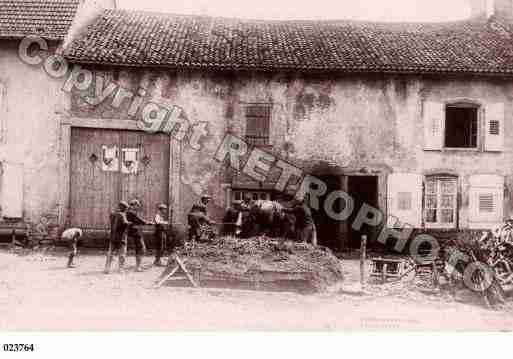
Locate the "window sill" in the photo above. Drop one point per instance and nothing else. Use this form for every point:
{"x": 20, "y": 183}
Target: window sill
{"x": 440, "y": 226}
{"x": 469, "y": 149}
{"x": 455, "y": 149}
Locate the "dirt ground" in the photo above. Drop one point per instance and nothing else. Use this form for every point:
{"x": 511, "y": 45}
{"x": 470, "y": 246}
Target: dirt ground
{"x": 37, "y": 292}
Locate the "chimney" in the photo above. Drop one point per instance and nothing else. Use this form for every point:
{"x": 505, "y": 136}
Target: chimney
{"x": 503, "y": 9}
{"x": 87, "y": 12}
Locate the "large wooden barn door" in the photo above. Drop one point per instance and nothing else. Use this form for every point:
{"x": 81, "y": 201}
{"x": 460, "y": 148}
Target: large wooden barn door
{"x": 94, "y": 192}
{"x": 149, "y": 181}
{"x": 112, "y": 165}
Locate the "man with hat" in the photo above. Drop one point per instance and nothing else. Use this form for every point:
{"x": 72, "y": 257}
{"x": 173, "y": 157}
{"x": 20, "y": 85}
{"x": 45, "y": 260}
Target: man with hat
{"x": 135, "y": 233}
{"x": 305, "y": 222}
{"x": 161, "y": 226}
{"x": 118, "y": 237}
{"x": 198, "y": 217}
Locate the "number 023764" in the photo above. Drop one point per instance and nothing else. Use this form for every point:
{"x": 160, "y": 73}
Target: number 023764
{"x": 18, "y": 347}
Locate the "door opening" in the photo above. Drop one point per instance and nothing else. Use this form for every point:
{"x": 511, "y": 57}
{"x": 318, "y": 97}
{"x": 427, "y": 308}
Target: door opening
{"x": 330, "y": 232}
{"x": 363, "y": 190}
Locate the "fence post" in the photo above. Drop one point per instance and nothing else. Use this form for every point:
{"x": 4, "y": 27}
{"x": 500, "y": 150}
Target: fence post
{"x": 363, "y": 254}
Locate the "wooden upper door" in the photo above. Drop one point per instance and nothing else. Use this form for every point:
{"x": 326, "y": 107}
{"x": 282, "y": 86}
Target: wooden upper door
{"x": 112, "y": 165}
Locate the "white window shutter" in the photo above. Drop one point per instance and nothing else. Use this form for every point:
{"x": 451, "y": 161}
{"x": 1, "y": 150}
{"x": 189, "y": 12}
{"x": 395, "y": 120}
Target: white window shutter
{"x": 12, "y": 190}
{"x": 404, "y": 199}
{"x": 486, "y": 201}
{"x": 494, "y": 127}
{"x": 433, "y": 125}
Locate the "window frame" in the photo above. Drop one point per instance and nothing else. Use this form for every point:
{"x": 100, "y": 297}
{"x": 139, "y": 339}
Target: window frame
{"x": 481, "y": 186}
{"x": 237, "y": 194}
{"x": 464, "y": 103}
{"x": 439, "y": 178}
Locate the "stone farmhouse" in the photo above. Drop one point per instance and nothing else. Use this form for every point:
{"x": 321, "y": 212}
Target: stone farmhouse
{"x": 414, "y": 119}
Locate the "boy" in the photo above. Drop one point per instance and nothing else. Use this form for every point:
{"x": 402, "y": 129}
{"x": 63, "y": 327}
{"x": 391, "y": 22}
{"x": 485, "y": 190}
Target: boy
{"x": 134, "y": 232}
{"x": 161, "y": 225}
{"x": 118, "y": 237}
{"x": 72, "y": 235}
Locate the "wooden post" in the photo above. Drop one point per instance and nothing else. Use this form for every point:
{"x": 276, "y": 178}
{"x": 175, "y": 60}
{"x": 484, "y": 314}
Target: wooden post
{"x": 13, "y": 239}
{"x": 363, "y": 254}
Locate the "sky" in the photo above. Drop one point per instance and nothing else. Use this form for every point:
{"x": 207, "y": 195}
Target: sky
{"x": 376, "y": 10}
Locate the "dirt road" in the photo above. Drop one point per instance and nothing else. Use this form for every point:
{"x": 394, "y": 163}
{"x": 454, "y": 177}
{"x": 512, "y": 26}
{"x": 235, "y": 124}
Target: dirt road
{"x": 37, "y": 292}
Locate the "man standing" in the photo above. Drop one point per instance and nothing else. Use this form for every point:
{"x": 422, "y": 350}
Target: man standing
{"x": 198, "y": 217}
{"x": 161, "y": 226}
{"x": 72, "y": 235}
{"x": 305, "y": 223}
{"x": 135, "y": 233}
{"x": 118, "y": 237}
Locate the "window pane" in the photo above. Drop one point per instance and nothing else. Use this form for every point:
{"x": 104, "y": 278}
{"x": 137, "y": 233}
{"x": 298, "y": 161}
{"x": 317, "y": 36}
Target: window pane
{"x": 238, "y": 195}
{"x": 431, "y": 186}
{"x": 431, "y": 201}
{"x": 447, "y": 201}
{"x": 255, "y": 196}
{"x": 431, "y": 215}
{"x": 448, "y": 186}
{"x": 440, "y": 200}
{"x": 447, "y": 216}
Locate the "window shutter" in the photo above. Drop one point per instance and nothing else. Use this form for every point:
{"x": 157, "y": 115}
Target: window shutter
{"x": 494, "y": 127}
{"x": 3, "y": 111}
{"x": 404, "y": 199}
{"x": 486, "y": 201}
{"x": 433, "y": 125}
{"x": 12, "y": 190}
{"x": 258, "y": 122}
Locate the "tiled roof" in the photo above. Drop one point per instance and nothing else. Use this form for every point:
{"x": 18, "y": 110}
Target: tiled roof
{"x": 132, "y": 38}
{"x": 49, "y": 19}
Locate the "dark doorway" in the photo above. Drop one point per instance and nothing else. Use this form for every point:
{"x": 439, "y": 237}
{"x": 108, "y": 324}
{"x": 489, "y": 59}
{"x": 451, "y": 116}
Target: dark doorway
{"x": 330, "y": 232}
{"x": 363, "y": 189}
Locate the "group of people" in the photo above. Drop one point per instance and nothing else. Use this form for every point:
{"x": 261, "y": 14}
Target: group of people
{"x": 254, "y": 217}
{"x": 125, "y": 224}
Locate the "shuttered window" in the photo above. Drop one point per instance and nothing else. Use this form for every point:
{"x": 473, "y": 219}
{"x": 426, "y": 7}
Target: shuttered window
{"x": 404, "y": 200}
{"x": 440, "y": 202}
{"x": 464, "y": 125}
{"x": 494, "y": 127}
{"x": 486, "y": 201}
{"x": 494, "y": 124}
{"x": 258, "y": 122}
{"x": 433, "y": 114}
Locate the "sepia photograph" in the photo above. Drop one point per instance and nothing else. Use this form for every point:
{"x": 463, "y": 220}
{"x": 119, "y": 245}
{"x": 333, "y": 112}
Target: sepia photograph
{"x": 272, "y": 166}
